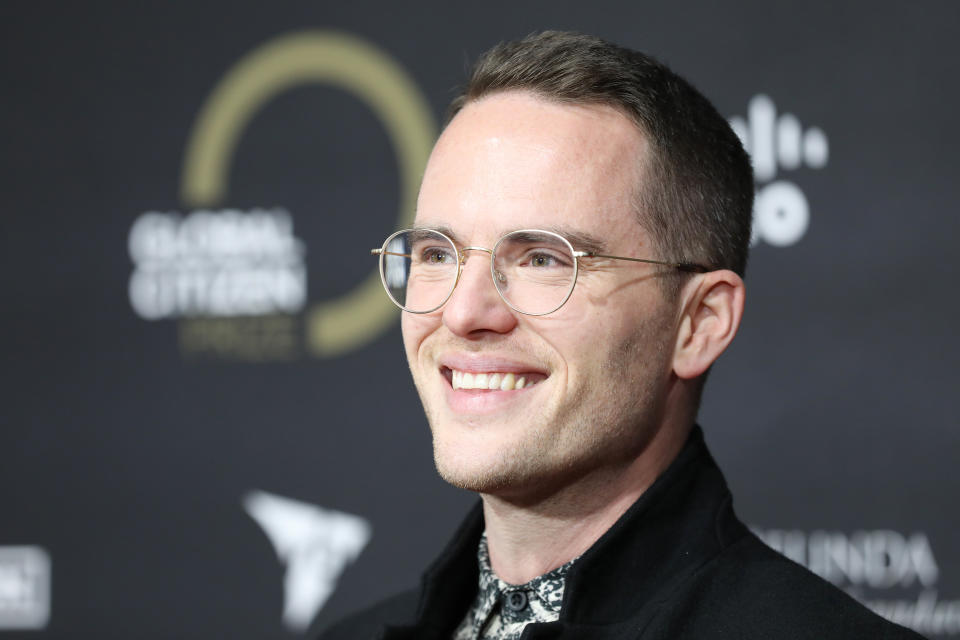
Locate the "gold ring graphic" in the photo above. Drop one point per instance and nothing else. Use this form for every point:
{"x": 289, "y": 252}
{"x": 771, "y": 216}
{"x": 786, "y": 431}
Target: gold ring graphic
{"x": 335, "y": 326}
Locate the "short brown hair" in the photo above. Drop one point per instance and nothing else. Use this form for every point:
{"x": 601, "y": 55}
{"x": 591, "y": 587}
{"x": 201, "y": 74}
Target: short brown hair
{"x": 698, "y": 205}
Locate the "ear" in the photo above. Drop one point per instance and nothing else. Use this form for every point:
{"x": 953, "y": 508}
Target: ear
{"x": 710, "y": 316}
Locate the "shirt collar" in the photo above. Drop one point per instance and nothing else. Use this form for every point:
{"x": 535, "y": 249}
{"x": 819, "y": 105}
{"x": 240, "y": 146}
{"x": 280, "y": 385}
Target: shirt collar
{"x": 548, "y": 587}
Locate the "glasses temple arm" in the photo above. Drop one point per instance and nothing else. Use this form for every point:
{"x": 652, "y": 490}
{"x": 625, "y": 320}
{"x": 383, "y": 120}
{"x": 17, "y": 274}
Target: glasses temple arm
{"x": 682, "y": 266}
{"x": 381, "y": 252}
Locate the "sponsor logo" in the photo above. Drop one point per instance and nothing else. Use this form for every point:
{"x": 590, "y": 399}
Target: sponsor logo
{"x": 893, "y": 574}
{"x": 781, "y": 213}
{"x": 236, "y": 281}
{"x": 24, "y": 587}
{"x": 314, "y": 543}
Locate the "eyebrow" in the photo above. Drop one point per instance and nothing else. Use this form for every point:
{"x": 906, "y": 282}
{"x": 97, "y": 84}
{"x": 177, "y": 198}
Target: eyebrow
{"x": 581, "y": 240}
{"x": 445, "y": 230}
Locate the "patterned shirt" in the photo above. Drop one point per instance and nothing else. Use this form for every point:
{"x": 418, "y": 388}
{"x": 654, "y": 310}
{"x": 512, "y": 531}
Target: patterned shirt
{"x": 501, "y": 610}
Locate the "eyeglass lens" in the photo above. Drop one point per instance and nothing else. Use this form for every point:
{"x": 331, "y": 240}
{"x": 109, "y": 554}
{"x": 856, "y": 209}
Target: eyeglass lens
{"x": 534, "y": 271}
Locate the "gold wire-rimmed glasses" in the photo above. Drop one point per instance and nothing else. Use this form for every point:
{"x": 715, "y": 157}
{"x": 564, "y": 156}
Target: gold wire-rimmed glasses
{"x": 533, "y": 270}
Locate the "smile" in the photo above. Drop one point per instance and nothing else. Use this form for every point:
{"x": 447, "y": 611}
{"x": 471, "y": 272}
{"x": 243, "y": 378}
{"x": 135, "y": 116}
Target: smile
{"x": 491, "y": 380}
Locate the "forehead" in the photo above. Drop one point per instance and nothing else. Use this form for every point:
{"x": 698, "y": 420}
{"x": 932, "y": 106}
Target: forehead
{"x": 513, "y": 160}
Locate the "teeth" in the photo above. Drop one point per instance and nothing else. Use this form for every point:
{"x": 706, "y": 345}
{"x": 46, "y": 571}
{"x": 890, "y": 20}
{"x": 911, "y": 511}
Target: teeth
{"x": 491, "y": 381}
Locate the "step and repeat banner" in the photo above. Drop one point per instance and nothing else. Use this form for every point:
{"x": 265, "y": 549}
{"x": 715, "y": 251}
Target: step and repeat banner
{"x": 208, "y": 427}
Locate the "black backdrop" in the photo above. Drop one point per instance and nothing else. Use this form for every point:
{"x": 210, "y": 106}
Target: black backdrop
{"x": 163, "y": 477}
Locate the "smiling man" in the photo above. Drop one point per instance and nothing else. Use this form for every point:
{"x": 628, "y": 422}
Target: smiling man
{"x": 574, "y": 270}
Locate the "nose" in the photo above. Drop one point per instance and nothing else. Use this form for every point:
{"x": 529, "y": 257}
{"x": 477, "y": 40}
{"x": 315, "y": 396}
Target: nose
{"x": 475, "y": 305}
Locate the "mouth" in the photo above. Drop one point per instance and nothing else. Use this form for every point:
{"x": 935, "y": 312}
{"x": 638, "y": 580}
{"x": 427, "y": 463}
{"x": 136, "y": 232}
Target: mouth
{"x": 491, "y": 380}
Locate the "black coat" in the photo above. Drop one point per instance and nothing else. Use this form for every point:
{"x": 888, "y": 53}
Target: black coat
{"x": 678, "y": 564}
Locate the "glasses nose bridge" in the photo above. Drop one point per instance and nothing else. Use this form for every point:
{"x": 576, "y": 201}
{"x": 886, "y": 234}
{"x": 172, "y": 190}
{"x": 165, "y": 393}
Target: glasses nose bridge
{"x": 462, "y": 253}
{"x": 462, "y": 259}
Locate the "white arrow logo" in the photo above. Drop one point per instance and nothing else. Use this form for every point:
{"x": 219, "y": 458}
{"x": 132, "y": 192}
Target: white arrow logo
{"x": 314, "y": 543}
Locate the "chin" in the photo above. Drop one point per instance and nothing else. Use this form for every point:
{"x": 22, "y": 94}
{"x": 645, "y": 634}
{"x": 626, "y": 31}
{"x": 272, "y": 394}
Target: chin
{"x": 489, "y": 480}
{"x": 460, "y": 463}
{"x": 474, "y": 466}
{"x": 505, "y": 469}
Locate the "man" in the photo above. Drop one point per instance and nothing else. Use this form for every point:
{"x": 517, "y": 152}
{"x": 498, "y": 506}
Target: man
{"x": 575, "y": 269}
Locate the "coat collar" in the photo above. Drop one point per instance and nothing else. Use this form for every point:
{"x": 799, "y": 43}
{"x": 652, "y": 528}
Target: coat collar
{"x": 679, "y": 524}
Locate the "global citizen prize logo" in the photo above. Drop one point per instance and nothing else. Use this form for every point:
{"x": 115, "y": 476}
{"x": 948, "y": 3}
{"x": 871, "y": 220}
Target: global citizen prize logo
{"x": 216, "y": 263}
{"x": 233, "y": 278}
{"x": 781, "y": 213}
{"x": 892, "y": 573}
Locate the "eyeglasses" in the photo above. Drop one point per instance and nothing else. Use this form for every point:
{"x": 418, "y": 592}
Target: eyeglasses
{"x": 534, "y": 271}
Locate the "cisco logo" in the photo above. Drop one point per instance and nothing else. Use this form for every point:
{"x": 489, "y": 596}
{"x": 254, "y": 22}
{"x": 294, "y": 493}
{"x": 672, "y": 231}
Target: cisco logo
{"x": 781, "y": 212}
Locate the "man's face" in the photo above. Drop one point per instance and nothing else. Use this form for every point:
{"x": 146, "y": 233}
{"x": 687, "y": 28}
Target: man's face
{"x": 598, "y": 368}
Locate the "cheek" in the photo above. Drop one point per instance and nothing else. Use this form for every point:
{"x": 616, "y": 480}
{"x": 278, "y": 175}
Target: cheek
{"x": 619, "y": 352}
{"x": 586, "y": 342}
{"x": 410, "y": 333}
{"x": 415, "y": 329}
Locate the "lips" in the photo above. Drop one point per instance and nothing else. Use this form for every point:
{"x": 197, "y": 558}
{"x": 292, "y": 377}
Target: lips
{"x": 481, "y": 386}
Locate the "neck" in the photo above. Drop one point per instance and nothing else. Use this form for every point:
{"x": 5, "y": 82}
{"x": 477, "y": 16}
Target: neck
{"x": 529, "y": 538}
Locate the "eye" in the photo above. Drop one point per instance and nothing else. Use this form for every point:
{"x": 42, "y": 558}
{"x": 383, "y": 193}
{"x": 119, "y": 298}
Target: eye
{"x": 544, "y": 259}
{"x": 436, "y": 255}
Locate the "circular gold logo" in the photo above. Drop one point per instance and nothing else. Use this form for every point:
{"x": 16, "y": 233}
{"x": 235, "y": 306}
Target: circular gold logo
{"x": 340, "y": 325}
